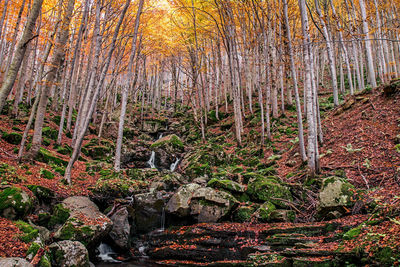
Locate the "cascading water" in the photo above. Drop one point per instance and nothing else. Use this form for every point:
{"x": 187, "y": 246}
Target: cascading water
{"x": 174, "y": 165}
{"x": 162, "y": 220}
{"x": 152, "y": 160}
{"x": 105, "y": 252}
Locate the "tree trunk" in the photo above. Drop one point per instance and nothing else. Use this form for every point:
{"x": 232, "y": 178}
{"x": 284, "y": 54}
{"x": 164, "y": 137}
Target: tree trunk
{"x": 19, "y": 54}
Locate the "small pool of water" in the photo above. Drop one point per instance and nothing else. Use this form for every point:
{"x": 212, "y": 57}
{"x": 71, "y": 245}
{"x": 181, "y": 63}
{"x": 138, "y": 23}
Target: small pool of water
{"x": 133, "y": 263}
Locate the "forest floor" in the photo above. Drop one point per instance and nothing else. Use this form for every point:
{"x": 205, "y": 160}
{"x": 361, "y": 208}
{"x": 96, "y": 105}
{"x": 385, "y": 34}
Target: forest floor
{"x": 360, "y": 139}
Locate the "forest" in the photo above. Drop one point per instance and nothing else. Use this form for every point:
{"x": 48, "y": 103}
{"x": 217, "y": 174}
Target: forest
{"x": 199, "y": 133}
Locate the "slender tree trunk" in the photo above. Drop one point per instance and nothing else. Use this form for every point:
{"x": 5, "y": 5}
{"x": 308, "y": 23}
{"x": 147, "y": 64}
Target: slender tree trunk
{"x": 295, "y": 86}
{"x": 368, "y": 48}
{"x": 81, "y": 135}
{"x": 19, "y": 54}
{"x": 57, "y": 61}
{"x": 117, "y": 162}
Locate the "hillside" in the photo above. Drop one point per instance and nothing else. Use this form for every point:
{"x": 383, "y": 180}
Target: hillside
{"x": 359, "y": 153}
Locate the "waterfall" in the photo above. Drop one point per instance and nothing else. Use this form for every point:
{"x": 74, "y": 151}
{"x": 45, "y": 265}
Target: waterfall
{"x": 162, "y": 220}
{"x": 152, "y": 160}
{"x": 105, "y": 252}
{"x": 174, "y": 165}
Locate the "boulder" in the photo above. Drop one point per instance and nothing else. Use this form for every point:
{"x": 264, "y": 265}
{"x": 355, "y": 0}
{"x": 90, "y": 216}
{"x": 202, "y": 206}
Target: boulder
{"x": 179, "y": 202}
{"x": 227, "y": 185}
{"x": 136, "y": 156}
{"x": 335, "y": 197}
{"x": 268, "y": 189}
{"x": 14, "y": 262}
{"x": 168, "y": 149}
{"x": 121, "y": 228}
{"x": 69, "y": 254}
{"x": 149, "y": 208}
{"x": 14, "y": 202}
{"x": 267, "y": 213}
{"x": 168, "y": 181}
{"x": 85, "y": 223}
{"x": 209, "y": 205}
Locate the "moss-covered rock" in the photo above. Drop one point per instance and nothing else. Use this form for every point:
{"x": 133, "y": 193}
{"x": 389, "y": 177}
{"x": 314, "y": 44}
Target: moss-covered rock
{"x": 12, "y": 138}
{"x": 180, "y": 201}
{"x": 268, "y": 189}
{"x": 69, "y": 254}
{"x": 209, "y": 205}
{"x": 42, "y": 193}
{"x": 85, "y": 223}
{"x": 59, "y": 216}
{"x": 47, "y": 157}
{"x": 98, "y": 149}
{"x": 113, "y": 184}
{"x": 243, "y": 214}
{"x": 29, "y": 232}
{"x": 14, "y": 203}
{"x": 335, "y": 197}
{"x": 264, "y": 212}
{"x": 227, "y": 185}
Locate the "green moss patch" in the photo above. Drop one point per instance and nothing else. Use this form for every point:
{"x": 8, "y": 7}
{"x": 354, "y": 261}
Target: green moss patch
{"x": 47, "y": 157}
{"x": 29, "y": 233}
{"x": 270, "y": 190}
{"x": 12, "y": 138}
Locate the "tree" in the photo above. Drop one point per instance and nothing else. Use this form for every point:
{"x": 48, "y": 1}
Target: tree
{"x": 19, "y": 53}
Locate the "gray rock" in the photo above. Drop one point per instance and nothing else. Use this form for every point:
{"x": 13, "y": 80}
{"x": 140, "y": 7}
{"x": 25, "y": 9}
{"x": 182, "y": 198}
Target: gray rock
{"x": 179, "y": 202}
{"x": 69, "y": 254}
{"x": 209, "y": 205}
{"x": 14, "y": 262}
{"x": 335, "y": 197}
{"x": 85, "y": 224}
{"x": 148, "y": 210}
{"x": 121, "y": 228}
{"x": 16, "y": 203}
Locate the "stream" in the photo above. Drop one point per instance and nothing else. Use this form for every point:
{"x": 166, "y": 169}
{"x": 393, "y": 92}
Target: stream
{"x": 107, "y": 256}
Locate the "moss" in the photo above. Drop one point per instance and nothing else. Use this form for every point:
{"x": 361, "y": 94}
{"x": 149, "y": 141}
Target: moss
{"x": 47, "y": 157}
{"x": 12, "y": 138}
{"x": 11, "y": 197}
{"x": 386, "y": 256}
{"x": 46, "y": 174}
{"x": 41, "y": 192}
{"x": 352, "y": 233}
{"x": 269, "y": 189}
{"x": 74, "y": 229}
{"x": 33, "y": 249}
{"x": 64, "y": 150}
{"x": 98, "y": 152}
{"x": 265, "y": 211}
{"x": 46, "y": 141}
{"x": 243, "y": 214}
{"x": 60, "y": 215}
{"x": 172, "y": 140}
{"x": 60, "y": 170}
{"x": 50, "y": 133}
{"x": 29, "y": 233}
{"x": 228, "y": 185}
{"x": 9, "y": 174}
{"x": 45, "y": 261}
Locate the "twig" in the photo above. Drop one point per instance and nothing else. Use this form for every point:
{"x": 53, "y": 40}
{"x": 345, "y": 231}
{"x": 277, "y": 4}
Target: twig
{"x": 365, "y": 180}
{"x": 288, "y": 202}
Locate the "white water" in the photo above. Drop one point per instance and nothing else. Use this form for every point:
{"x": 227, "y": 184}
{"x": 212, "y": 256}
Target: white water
{"x": 163, "y": 220}
{"x": 174, "y": 165}
{"x": 105, "y": 252}
{"x": 152, "y": 159}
